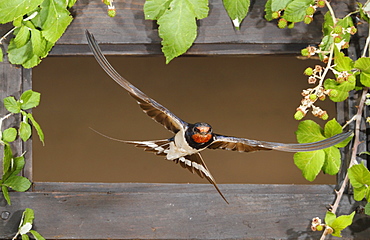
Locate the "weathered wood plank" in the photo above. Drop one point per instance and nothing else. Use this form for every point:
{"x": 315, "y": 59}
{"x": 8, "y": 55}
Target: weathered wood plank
{"x": 136, "y": 36}
{"x": 176, "y": 211}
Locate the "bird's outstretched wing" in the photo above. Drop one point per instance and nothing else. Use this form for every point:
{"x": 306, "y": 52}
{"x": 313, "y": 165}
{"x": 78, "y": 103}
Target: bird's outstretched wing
{"x": 247, "y": 145}
{"x": 153, "y": 109}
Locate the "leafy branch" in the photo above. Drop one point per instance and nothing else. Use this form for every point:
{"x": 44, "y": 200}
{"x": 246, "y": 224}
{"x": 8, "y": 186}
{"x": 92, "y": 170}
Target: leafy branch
{"x": 25, "y": 226}
{"x": 12, "y": 165}
{"x": 38, "y": 24}
{"x": 349, "y": 75}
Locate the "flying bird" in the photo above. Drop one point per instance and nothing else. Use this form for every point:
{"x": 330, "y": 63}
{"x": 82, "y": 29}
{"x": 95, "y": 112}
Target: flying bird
{"x": 189, "y": 139}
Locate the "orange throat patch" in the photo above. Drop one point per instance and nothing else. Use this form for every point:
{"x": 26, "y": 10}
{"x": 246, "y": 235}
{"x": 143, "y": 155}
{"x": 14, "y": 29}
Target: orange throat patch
{"x": 199, "y": 138}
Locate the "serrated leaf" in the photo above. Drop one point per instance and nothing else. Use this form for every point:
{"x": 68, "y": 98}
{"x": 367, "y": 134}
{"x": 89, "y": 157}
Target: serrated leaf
{"x": 365, "y": 79}
{"x": 359, "y": 193}
{"x": 1, "y": 54}
{"x": 329, "y": 217}
{"x": 309, "y": 131}
{"x": 341, "y": 223}
{"x": 25, "y": 237}
{"x": 28, "y": 216}
{"x": 296, "y": 10}
{"x": 10, "y": 10}
{"x": 19, "y": 55}
{"x": 25, "y": 131}
{"x": 22, "y": 37}
{"x": 58, "y": 19}
{"x": 367, "y": 208}
{"x": 7, "y": 159}
{"x": 37, "y": 235}
{"x": 310, "y": 163}
{"x": 363, "y": 64}
{"x": 332, "y": 161}
{"x": 277, "y": 5}
{"x": 200, "y": 8}
{"x": 71, "y": 3}
{"x": 341, "y": 62}
{"x": 18, "y": 183}
{"x": 4, "y": 189}
{"x": 177, "y": 28}
{"x": 32, "y": 62}
{"x": 154, "y": 9}
{"x": 9, "y": 135}
{"x": 237, "y": 10}
{"x": 342, "y": 88}
{"x": 359, "y": 175}
{"x": 29, "y": 99}
{"x": 18, "y": 164}
{"x": 268, "y": 11}
{"x": 332, "y": 128}
{"x": 12, "y": 105}
{"x": 345, "y": 22}
{"x": 328, "y": 24}
{"x": 38, "y": 129}
{"x": 38, "y": 43}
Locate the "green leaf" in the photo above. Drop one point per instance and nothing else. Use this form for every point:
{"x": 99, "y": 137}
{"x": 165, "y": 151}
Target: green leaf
{"x": 58, "y": 19}
{"x": 4, "y": 189}
{"x": 332, "y": 128}
{"x": 18, "y": 164}
{"x": 328, "y": 24}
{"x": 1, "y": 54}
{"x": 332, "y": 161}
{"x": 10, "y": 10}
{"x": 71, "y": 3}
{"x": 296, "y": 10}
{"x": 341, "y": 223}
{"x": 365, "y": 79}
{"x": 18, "y": 183}
{"x": 310, "y": 163}
{"x": 38, "y": 43}
{"x": 12, "y": 105}
{"x": 277, "y": 5}
{"x": 237, "y": 10}
{"x": 367, "y": 208}
{"x": 19, "y": 55}
{"x": 359, "y": 193}
{"x": 22, "y": 37}
{"x": 37, "y": 235}
{"x": 37, "y": 127}
{"x": 341, "y": 62}
{"x": 329, "y": 217}
{"x": 9, "y": 135}
{"x": 268, "y": 11}
{"x": 7, "y": 159}
{"x": 32, "y": 62}
{"x": 309, "y": 131}
{"x": 154, "y": 9}
{"x": 177, "y": 28}
{"x": 25, "y": 237}
{"x": 29, "y": 99}
{"x": 25, "y": 131}
{"x": 342, "y": 88}
{"x": 363, "y": 64}
{"x": 359, "y": 175}
{"x": 28, "y": 216}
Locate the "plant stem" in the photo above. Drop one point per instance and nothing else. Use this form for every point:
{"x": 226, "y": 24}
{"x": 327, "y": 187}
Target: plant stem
{"x": 6, "y": 34}
{"x": 356, "y": 143}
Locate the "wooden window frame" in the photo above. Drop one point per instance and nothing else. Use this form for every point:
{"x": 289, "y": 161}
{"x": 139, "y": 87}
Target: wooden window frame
{"x": 171, "y": 211}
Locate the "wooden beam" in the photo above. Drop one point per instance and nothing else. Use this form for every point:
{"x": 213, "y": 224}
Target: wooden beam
{"x": 130, "y": 34}
{"x": 177, "y": 211}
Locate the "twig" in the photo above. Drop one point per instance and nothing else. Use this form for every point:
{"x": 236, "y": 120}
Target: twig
{"x": 353, "y": 161}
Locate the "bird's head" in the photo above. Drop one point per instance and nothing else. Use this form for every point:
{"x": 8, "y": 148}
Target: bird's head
{"x": 202, "y": 132}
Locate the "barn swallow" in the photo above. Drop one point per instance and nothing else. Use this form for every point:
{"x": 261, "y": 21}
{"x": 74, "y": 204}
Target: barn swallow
{"x": 190, "y": 139}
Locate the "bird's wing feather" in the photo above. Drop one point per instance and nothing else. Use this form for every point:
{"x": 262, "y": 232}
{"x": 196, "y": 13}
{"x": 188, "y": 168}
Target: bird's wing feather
{"x": 195, "y": 163}
{"x": 247, "y": 145}
{"x": 153, "y": 109}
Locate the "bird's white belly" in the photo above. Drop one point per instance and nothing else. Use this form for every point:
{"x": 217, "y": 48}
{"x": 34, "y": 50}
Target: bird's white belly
{"x": 179, "y": 147}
